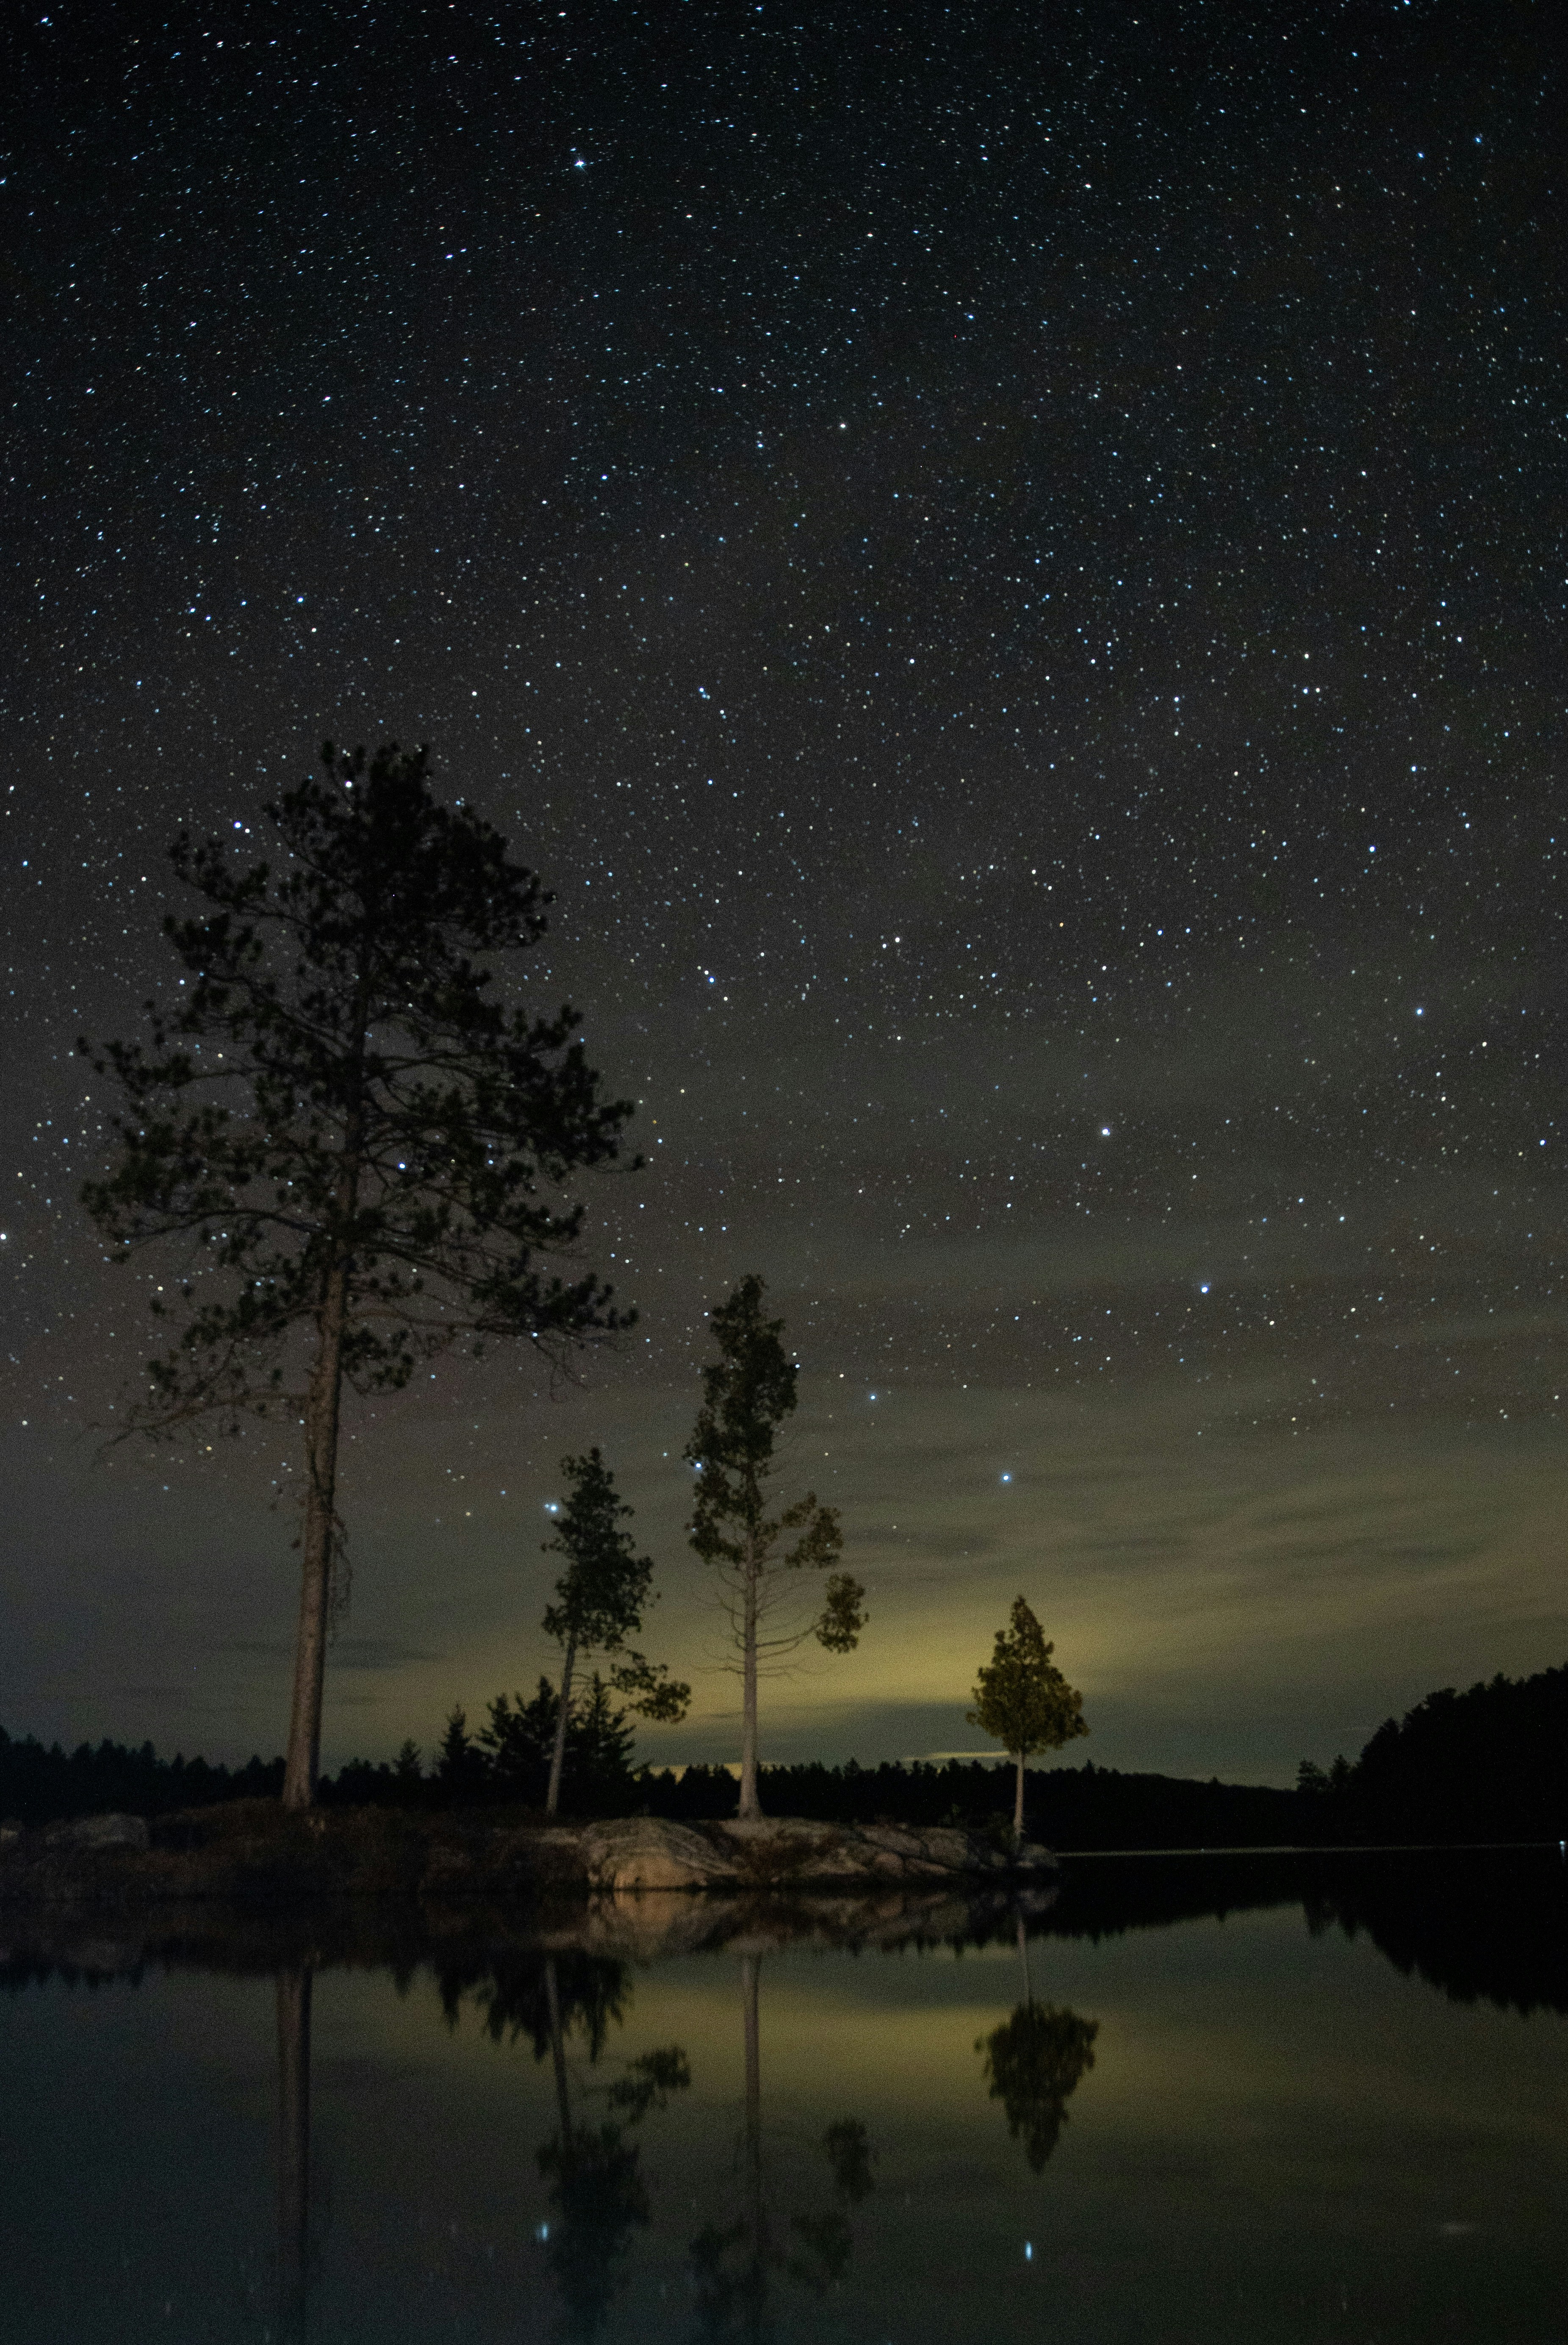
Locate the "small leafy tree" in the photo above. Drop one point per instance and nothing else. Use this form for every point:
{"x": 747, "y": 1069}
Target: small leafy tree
{"x": 599, "y": 1603}
{"x": 1023, "y": 1701}
{"x": 747, "y": 1394}
{"x": 361, "y": 1145}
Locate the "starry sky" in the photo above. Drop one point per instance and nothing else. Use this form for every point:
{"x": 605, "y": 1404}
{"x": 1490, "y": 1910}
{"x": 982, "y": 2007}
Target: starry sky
{"x": 1007, "y": 565}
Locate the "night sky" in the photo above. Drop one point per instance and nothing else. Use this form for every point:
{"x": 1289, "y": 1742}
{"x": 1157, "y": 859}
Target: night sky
{"x": 1007, "y": 565}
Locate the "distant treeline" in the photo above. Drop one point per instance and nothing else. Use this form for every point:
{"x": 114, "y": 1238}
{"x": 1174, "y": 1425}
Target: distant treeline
{"x": 1490, "y": 1764}
{"x": 39, "y": 1784}
{"x": 1068, "y": 1807}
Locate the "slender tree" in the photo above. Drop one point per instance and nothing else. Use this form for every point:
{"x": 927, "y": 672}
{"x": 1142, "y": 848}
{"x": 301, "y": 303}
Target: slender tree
{"x": 600, "y": 1598}
{"x": 365, "y": 1149}
{"x": 747, "y": 1394}
{"x": 1023, "y": 1699}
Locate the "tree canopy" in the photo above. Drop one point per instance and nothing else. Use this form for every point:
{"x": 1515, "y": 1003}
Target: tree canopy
{"x": 747, "y": 1395}
{"x": 1022, "y": 1699}
{"x": 600, "y": 1598}
{"x": 361, "y": 1145}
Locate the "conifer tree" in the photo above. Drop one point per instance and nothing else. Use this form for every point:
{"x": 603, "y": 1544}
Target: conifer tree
{"x": 1023, "y": 1701}
{"x": 600, "y": 1598}
{"x": 363, "y": 1147}
{"x": 747, "y": 1394}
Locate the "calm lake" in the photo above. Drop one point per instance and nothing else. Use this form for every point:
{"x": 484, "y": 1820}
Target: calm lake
{"x": 1248, "y": 2097}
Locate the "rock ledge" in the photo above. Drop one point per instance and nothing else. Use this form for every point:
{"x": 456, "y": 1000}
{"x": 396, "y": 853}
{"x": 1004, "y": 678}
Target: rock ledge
{"x": 644, "y": 1853}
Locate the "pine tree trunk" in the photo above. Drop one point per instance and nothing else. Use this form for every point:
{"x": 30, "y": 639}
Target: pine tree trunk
{"x": 557, "y": 1756}
{"x": 1018, "y": 1807}
{"x": 322, "y": 1408}
{"x": 750, "y": 1806}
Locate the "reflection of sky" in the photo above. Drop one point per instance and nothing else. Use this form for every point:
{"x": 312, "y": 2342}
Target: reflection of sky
{"x": 1279, "y": 2131}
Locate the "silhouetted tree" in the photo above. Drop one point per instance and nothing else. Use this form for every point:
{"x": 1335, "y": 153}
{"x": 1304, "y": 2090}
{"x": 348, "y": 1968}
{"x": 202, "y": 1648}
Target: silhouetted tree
{"x": 1023, "y": 1701}
{"x": 361, "y": 1146}
{"x": 747, "y": 1394}
{"x": 1035, "y": 2061}
{"x": 459, "y": 1770}
{"x": 599, "y": 1602}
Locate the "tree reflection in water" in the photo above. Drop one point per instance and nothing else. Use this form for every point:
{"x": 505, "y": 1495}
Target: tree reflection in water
{"x": 597, "y": 2190}
{"x": 596, "y": 2172}
{"x": 733, "y": 2265}
{"x": 1035, "y": 2061}
{"x": 294, "y": 1987}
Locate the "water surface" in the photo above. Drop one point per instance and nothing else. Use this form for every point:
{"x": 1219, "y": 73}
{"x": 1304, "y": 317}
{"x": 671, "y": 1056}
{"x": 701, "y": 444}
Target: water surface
{"x": 1240, "y": 2099}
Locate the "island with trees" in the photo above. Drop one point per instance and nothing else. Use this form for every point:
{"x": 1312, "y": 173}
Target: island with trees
{"x": 361, "y": 1152}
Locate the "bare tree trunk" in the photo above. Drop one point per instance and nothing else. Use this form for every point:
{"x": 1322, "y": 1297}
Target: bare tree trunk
{"x": 1018, "y": 1807}
{"x": 322, "y": 1408}
{"x": 293, "y": 2145}
{"x": 557, "y": 1756}
{"x": 750, "y": 1806}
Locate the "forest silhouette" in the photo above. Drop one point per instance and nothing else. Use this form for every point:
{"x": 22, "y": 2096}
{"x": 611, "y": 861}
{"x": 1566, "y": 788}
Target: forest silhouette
{"x": 1490, "y": 1764}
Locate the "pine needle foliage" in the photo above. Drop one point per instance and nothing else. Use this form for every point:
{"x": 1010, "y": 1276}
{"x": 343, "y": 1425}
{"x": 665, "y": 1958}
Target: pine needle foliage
{"x": 600, "y": 1598}
{"x": 747, "y": 1395}
{"x": 1022, "y": 1699}
{"x": 360, "y": 1146}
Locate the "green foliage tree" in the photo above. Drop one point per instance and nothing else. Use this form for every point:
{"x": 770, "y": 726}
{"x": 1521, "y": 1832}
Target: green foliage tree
{"x": 1035, "y": 2061}
{"x": 600, "y": 1598}
{"x": 362, "y": 1146}
{"x": 747, "y": 1394}
{"x": 1023, "y": 1701}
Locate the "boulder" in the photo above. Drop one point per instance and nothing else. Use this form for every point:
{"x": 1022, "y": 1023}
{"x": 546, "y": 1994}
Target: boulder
{"x": 646, "y": 1852}
{"x": 99, "y": 1832}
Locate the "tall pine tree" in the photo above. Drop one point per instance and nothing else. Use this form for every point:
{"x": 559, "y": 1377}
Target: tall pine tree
{"x": 747, "y": 1394}
{"x": 362, "y": 1147}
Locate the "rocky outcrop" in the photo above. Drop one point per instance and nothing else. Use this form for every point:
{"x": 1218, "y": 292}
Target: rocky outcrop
{"x": 99, "y": 1832}
{"x": 644, "y": 1853}
{"x": 253, "y": 1852}
{"x": 782, "y": 1853}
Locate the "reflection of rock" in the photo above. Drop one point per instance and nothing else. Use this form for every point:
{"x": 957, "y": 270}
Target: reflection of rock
{"x": 651, "y": 1924}
{"x": 99, "y": 1832}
